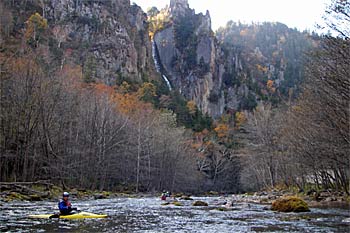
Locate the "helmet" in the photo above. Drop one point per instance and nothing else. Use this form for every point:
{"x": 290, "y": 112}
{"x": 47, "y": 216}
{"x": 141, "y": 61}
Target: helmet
{"x": 65, "y": 194}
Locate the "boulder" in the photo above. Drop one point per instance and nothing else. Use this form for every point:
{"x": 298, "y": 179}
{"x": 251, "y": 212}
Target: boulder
{"x": 222, "y": 209}
{"x": 329, "y": 199}
{"x": 99, "y": 196}
{"x": 35, "y": 197}
{"x": 200, "y": 203}
{"x": 176, "y": 203}
{"x": 290, "y": 204}
{"x": 186, "y": 198}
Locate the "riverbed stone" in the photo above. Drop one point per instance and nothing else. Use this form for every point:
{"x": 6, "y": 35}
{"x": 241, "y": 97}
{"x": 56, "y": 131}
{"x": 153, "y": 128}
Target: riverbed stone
{"x": 100, "y": 196}
{"x": 35, "y": 197}
{"x": 186, "y": 198}
{"x": 222, "y": 209}
{"x": 200, "y": 203}
{"x": 290, "y": 204}
{"x": 176, "y": 203}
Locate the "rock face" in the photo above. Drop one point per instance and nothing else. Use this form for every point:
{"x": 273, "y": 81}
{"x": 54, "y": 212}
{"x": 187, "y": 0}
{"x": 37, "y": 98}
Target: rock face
{"x": 188, "y": 52}
{"x": 109, "y": 38}
{"x": 242, "y": 65}
{"x": 179, "y": 7}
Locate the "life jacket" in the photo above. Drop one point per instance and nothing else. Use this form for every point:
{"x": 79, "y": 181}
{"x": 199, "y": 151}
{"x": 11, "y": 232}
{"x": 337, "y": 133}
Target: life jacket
{"x": 64, "y": 205}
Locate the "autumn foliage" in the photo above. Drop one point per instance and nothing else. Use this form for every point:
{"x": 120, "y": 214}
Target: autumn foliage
{"x": 35, "y": 26}
{"x": 222, "y": 130}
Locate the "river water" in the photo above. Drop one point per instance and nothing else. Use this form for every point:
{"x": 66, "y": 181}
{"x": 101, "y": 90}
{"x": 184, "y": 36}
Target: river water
{"x": 148, "y": 215}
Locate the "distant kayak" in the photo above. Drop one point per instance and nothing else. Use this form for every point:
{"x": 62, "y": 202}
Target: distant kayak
{"x": 79, "y": 215}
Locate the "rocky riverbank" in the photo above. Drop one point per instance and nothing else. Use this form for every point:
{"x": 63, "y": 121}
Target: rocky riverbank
{"x": 313, "y": 199}
{"x": 41, "y": 190}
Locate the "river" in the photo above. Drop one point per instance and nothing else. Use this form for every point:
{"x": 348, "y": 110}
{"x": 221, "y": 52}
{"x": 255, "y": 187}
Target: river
{"x": 148, "y": 215}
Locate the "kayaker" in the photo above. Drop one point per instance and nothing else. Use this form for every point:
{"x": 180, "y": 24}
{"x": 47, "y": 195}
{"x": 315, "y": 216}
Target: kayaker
{"x": 163, "y": 196}
{"x": 65, "y": 206}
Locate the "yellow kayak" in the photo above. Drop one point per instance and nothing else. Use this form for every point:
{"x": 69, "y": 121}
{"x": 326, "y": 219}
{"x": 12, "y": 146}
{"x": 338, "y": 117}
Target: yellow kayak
{"x": 80, "y": 215}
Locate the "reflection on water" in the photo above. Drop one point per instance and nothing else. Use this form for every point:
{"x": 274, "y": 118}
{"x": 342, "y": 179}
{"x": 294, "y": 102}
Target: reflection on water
{"x": 148, "y": 215}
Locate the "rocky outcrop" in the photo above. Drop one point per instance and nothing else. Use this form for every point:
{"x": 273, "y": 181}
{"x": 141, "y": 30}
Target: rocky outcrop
{"x": 233, "y": 71}
{"x": 198, "y": 66}
{"x": 165, "y": 45}
{"x": 108, "y": 38}
{"x": 187, "y": 52}
{"x": 179, "y": 8}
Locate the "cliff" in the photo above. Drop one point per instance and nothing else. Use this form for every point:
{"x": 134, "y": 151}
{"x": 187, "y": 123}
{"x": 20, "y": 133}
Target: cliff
{"x": 234, "y": 69}
{"x": 187, "y": 52}
{"x": 225, "y": 72}
{"x": 108, "y": 38}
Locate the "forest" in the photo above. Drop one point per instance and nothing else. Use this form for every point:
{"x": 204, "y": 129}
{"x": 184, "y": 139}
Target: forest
{"x": 58, "y": 125}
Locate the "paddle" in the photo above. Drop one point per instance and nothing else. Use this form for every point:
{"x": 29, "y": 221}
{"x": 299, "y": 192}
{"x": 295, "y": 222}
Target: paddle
{"x": 54, "y": 216}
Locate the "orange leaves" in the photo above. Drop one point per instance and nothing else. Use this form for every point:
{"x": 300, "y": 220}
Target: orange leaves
{"x": 269, "y": 84}
{"x": 222, "y": 130}
{"x": 123, "y": 101}
{"x": 130, "y": 105}
{"x": 270, "y": 87}
{"x": 126, "y": 103}
{"x": 101, "y": 88}
{"x": 191, "y": 106}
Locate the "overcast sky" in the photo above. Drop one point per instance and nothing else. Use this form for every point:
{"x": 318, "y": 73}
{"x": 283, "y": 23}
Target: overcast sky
{"x": 302, "y": 14}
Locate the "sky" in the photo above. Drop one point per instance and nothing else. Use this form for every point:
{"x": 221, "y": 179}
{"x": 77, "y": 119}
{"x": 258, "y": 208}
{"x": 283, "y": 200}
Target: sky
{"x": 300, "y": 14}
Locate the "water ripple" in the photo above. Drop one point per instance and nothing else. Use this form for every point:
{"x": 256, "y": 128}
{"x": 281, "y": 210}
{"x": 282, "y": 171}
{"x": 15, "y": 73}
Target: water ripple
{"x": 148, "y": 215}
